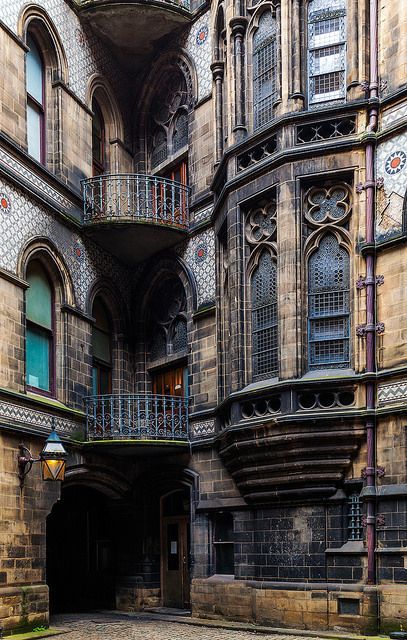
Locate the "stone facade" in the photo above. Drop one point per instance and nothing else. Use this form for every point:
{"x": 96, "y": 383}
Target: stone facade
{"x": 210, "y": 185}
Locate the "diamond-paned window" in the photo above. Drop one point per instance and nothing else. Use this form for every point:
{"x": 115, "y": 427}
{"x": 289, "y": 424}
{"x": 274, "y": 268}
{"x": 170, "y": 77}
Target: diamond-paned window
{"x": 326, "y": 50}
{"x": 264, "y": 318}
{"x": 328, "y": 306}
{"x": 265, "y": 69}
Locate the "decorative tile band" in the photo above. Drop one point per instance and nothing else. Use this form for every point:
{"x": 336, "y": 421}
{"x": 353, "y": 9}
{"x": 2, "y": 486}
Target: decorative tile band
{"x": 394, "y": 392}
{"x": 36, "y": 183}
{"x": 202, "y": 429}
{"x": 21, "y": 416}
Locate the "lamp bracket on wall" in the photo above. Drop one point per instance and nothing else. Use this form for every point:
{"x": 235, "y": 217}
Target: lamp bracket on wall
{"x": 25, "y": 463}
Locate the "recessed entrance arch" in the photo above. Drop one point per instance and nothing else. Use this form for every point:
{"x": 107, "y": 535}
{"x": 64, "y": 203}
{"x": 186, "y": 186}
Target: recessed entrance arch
{"x": 81, "y": 562}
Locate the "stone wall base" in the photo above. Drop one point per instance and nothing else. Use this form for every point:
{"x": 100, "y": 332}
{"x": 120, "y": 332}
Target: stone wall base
{"x": 23, "y": 608}
{"x": 333, "y": 607}
{"x": 136, "y": 597}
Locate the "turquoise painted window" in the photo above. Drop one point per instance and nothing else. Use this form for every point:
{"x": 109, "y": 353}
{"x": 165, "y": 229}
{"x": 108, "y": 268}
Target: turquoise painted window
{"x": 39, "y": 335}
{"x": 102, "y": 352}
{"x": 35, "y": 101}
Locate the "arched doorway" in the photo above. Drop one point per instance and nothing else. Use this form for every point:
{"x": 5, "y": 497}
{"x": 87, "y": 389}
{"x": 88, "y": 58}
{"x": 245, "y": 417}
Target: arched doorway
{"x": 81, "y": 563}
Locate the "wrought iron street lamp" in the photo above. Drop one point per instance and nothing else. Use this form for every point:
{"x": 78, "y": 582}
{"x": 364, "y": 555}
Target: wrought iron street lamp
{"x": 52, "y": 458}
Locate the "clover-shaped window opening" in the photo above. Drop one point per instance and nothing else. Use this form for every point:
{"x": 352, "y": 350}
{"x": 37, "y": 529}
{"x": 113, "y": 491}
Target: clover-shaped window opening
{"x": 331, "y": 204}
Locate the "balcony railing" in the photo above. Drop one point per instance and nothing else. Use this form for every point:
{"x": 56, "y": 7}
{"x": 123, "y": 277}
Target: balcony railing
{"x": 136, "y": 417}
{"x": 135, "y": 198}
{"x": 184, "y": 4}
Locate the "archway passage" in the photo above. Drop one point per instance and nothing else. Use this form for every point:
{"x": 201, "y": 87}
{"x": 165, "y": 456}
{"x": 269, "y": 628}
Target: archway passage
{"x": 81, "y": 563}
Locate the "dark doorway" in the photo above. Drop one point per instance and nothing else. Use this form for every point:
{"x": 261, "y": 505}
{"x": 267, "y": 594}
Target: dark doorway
{"x": 175, "y": 549}
{"x": 80, "y": 552}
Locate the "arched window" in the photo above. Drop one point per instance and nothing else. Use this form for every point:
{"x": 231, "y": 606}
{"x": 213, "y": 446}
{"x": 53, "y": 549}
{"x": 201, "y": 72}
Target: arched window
{"x": 98, "y": 140}
{"x": 35, "y": 86}
{"x": 169, "y": 118}
{"x": 328, "y": 306}
{"x": 264, "y": 318}
{"x": 326, "y": 50}
{"x": 101, "y": 350}
{"x": 265, "y": 69}
{"x": 40, "y": 329}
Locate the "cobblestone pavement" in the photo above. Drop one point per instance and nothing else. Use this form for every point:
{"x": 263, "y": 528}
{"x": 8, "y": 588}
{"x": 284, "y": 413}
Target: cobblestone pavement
{"x": 97, "y": 626}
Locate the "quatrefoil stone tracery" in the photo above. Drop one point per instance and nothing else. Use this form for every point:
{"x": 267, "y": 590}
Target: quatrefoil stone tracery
{"x": 261, "y": 224}
{"x": 328, "y": 205}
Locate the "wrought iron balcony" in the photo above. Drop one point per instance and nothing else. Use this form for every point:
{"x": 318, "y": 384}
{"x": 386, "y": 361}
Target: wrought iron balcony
{"x": 139, "y": 417}
{"x": 135, "y": 215}
{"x": 132, "y": 27}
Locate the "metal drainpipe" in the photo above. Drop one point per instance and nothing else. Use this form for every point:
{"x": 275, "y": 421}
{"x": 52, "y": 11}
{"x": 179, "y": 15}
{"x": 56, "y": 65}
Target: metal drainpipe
{"x": 370, "y": 187}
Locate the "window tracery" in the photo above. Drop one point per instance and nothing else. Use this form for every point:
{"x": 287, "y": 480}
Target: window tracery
{"x": 169, "y": 118}
{"x": 328, "y": 208}
{"x": 261, "y": 235}
{"x": 168, "y": 319}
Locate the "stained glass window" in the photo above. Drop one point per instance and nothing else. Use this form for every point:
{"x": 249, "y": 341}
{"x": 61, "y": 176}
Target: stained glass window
{"x": 328, "y": 306}
{"x": 326, "y": 50}
{"x": 264, "y": 318}
{"x": 39, "y": 332}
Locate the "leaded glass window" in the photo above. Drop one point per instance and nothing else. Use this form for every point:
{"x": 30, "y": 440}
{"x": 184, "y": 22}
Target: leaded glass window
{"x": 328, "y": 306}
{"x": 35, "y": 87}
{"x": 326, "y": 50}
{"x": 39, "y": 331}
{"x": 265, "y": 69}
{"x": 264, "y": 318}
{"x": 102, "y": 349}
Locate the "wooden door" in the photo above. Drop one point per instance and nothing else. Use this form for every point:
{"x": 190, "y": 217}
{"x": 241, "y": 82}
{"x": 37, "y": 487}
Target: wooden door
{"x": 174, "y": 562}
{"x": 170, "y": 382}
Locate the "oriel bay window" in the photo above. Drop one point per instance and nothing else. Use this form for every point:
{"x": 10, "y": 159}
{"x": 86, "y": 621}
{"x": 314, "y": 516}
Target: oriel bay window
{"x": 102, "y": 350}
{"x": 35, "y": 86}
{"x": 40, "y": 329}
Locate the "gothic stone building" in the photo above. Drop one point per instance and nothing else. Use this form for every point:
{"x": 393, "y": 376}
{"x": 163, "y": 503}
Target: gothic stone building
{"x": 203, "y": 288}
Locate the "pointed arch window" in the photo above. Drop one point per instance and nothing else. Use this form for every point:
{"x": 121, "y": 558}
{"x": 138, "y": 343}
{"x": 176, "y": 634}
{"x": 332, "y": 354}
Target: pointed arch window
{"x": 265, "y": 69}
{"x": 35, "y": 87}
{"x": 264, "y": 318}
{"x": 101, "y": 350}
{"x": 98, "y": 140}
{"x": 329, "y": 306}
{"x": 326, "y": 50}
{"x": 40, "y": 329}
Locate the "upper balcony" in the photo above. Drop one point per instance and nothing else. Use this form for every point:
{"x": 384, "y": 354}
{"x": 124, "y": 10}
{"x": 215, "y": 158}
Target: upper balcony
{"x": 139, "y": 421}
{"x": 132, "y": 28}
{"x": 134, "y": 216}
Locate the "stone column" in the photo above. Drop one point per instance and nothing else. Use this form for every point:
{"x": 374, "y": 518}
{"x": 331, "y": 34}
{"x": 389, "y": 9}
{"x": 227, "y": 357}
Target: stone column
{"x": 296, "y": 94}
{"x": 217, "y": 69}
{"x": 238, "y": 26}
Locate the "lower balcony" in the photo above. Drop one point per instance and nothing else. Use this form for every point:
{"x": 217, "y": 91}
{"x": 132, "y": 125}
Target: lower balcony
{"x": 129, "y": 423}
{"x": 134, "y": 216}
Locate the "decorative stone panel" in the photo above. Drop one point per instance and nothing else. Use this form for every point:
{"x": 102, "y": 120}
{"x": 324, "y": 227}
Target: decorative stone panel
{"x": 391, "y": 172}
{"x": 392, "y": 393}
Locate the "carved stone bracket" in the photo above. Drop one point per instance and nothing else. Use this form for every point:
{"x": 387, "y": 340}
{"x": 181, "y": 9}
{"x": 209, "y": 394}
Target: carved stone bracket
{"x": 363, "y": 329}
{"x": 362, "y": 282}
{"x": 362, "y": 186}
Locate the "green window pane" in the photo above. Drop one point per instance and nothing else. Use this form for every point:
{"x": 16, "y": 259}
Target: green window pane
{"x": 38, "y": 345}
{"x": 101, "y": 345}
{"x": 39, "y": 296}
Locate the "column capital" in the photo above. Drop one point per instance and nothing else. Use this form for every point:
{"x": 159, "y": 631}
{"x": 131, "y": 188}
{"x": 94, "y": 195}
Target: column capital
{"x": 238, "y": 25}
{"x": 217, "y": 68}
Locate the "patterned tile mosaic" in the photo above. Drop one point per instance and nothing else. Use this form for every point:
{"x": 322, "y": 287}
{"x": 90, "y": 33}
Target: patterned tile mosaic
{"x": 391, "y": 170}
{"x": 203, "y": 215}
{"x": 198, "y": 44}
{"x": 199, "y": 254}
{"x": 394, "y": 392}
{"x": 25, "y": 220}
{"x": 202, "y": 429}
{"x": 390, "y": 116}
{"x": 27, "y": 417}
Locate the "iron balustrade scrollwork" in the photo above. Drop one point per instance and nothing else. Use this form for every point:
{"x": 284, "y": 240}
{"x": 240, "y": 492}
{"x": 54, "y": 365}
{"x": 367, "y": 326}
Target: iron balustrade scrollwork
{"x": 135, "y": 198}
{"x": 136, "y": 417}
{"x": 183, "y": 4}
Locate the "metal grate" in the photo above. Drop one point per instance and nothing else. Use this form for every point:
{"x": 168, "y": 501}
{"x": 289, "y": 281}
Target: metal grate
{"x": 264, "y": 318}
{"x": 355, "y": 528}
{"x": 328, "y": 306}
{"x": 326, "y": 51}
{"x": 265, "y": 69}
